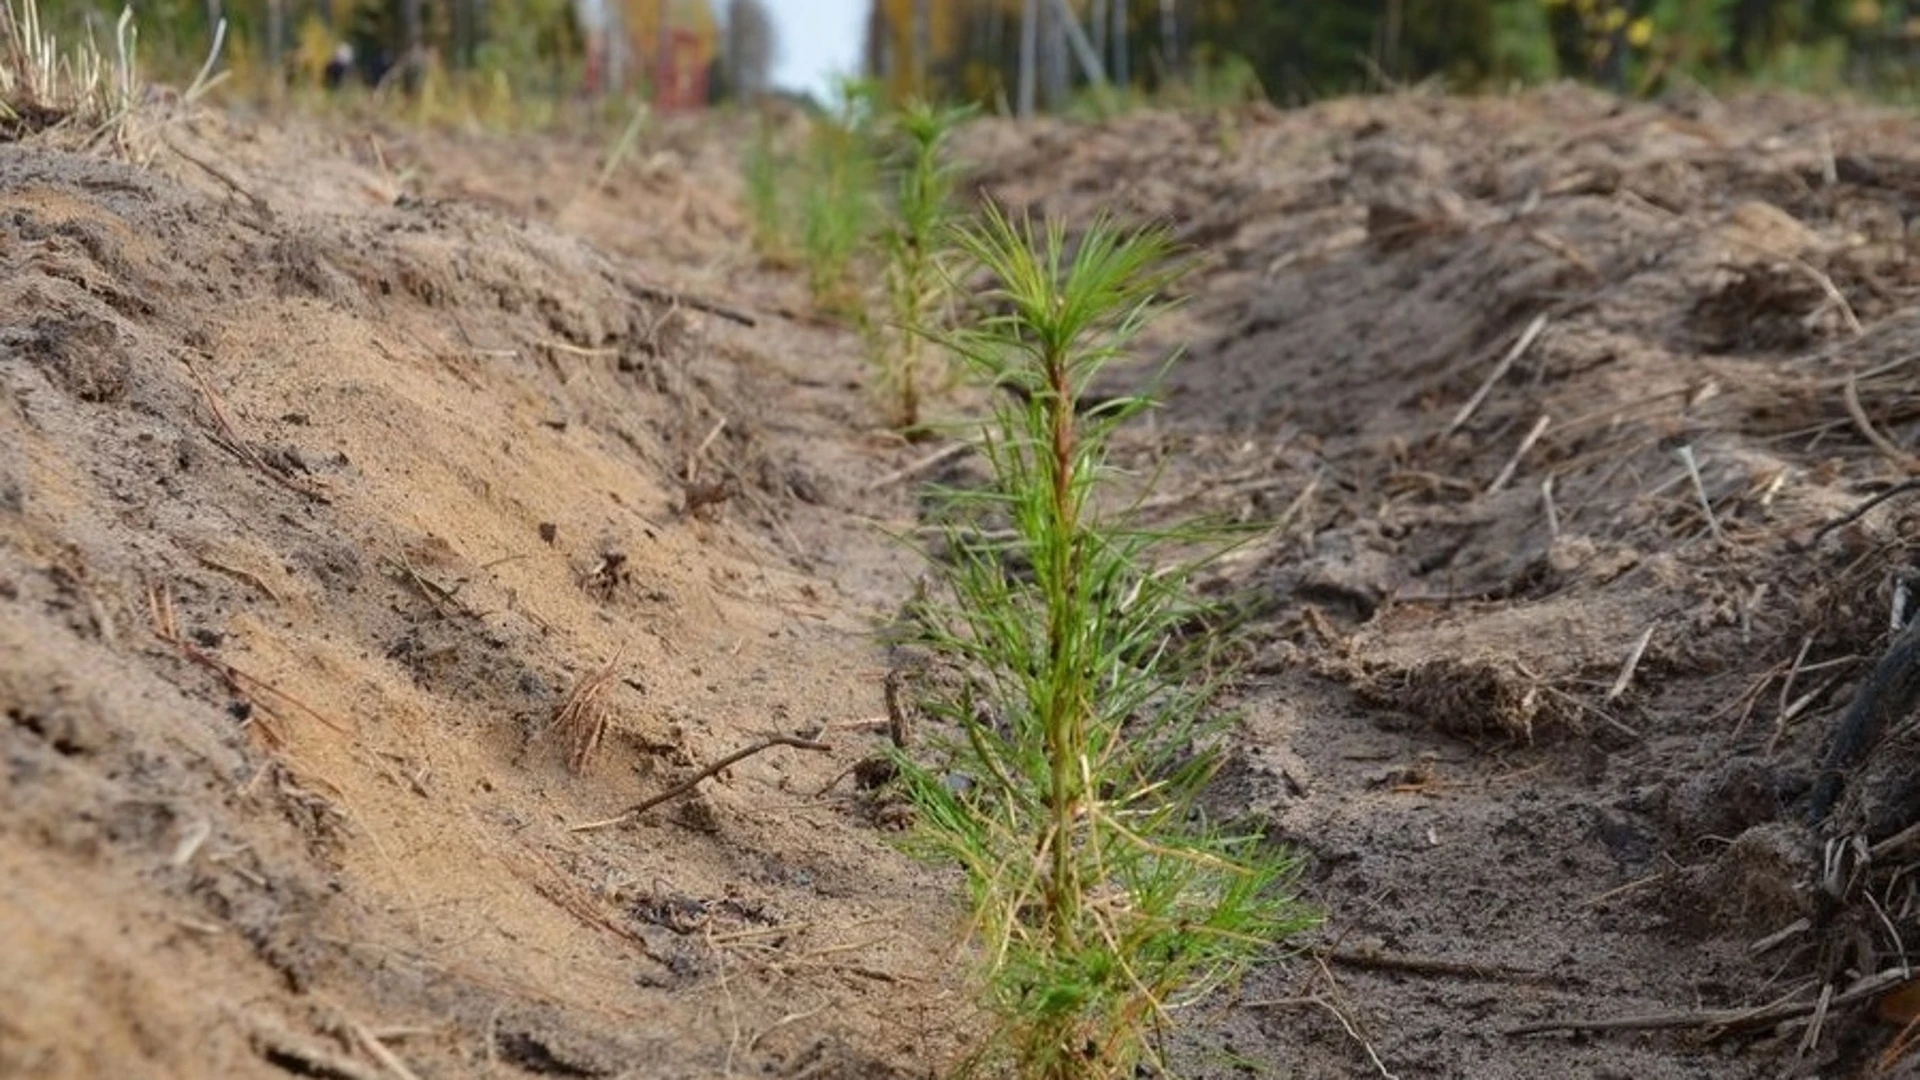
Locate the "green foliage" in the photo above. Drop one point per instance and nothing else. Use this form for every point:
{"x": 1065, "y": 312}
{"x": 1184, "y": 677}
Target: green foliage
{"x": 915, "y": 242}
{"x": 1522, "y": 44}
{"x": 1103, "y": 897}
{"x": 823, "y": 199}
{"x": 1215, "y": 80}
{"x": 1305, "y": 51}
{"x": 532, "y": 45}
{"x": 837, "y": 196}
{"x": 865, "y": 180}
{"x": 762, "y": 167}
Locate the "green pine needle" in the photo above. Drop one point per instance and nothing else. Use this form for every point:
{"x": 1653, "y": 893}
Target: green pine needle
{"x": 1103, "y": 897}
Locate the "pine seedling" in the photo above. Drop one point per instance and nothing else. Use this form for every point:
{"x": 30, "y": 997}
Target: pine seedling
{"x": 762, "y": 168}
{"x": 917, "y": 249}
{"x": 1103, "y": 898}
{"x": 837, "y": 201}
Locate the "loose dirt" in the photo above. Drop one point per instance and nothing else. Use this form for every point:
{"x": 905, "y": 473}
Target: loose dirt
{"x": 357, "y": 485}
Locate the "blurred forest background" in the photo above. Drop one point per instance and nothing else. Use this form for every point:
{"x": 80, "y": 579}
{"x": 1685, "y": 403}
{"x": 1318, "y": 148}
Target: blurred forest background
{"x": 1020, "y": 56}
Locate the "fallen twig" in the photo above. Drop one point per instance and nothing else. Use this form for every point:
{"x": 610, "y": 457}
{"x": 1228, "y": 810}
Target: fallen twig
{"x": 1851, "y": 394}
{"x": 1722, "y": 1019}
{"x": 1857, "y": 512}
{"x": 238, "y": 574}
{"x": 663, "y": 296}
{"x": 1499, "y": 372}
{"x": 167, "y": 630}
{"x": 1811, "y": 1037}
{"x": 693, "y": 459}
{"x": 1781, "y": 936}
{"x": 379, "y": 1051}
{"x": 259, "y": 204}
{"x": 1337, "y": 1007}
{"x": 1786, "y": 691}
{"x": 230, "y": 441}
{"x": 438, "y": 595}
{"x": 561, "y": 890}
{"x": 915, "y": 468}
{"x": 1819, "y": 278}
{"x": 1692, "y": 463}
{"x": 1513, "y": 463}
{"x": 1373, "y": 959}
{"x": 1625, "y": 677}
{"x": 692, "y": 782}
{"x": 293, "y": 1054}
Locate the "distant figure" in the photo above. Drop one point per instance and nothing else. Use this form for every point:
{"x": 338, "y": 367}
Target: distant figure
{"x": 339, "y": 67}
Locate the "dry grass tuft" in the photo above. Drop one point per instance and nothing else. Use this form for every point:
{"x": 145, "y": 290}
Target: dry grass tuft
{"x": 581, "y": 721}
{"x": 45, "y": 87}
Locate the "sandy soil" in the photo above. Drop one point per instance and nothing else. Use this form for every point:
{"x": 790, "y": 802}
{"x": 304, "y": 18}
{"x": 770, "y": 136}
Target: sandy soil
{"x": 336, "y": 465}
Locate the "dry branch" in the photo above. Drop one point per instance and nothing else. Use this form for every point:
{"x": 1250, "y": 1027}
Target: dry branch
{"x": 229, "y": 440}
{"x": 663, "y": 296}
{"x": 1860, "y": 511}
{"x": 1692, "y": 462}
{"x": 1376, "y": 960}
{"x": 258, "y": 204}
{"x": 1723, "y": 1019}
{"x": 692, "y": 782}
{"x": 1513, "y": 463}
{"x": 915, "y": 468}
{"x": 1499, "y": 372}
{"x": 1627, "y": 669}
{"x": 1888, "y": 450}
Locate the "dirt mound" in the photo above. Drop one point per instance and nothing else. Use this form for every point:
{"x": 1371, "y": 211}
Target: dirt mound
{"x": 1540, "y": 711}
{"x": 319, "y": 501}
{"x": 336, "y": 466}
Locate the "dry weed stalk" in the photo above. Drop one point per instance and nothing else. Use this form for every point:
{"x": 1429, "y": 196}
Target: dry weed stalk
{"x": 44, "y": 87}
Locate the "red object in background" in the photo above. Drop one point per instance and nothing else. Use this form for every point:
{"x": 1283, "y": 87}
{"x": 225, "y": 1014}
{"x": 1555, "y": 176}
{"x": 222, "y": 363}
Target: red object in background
{"x": 596, "y": 61}
{"x": 680, "y": 82}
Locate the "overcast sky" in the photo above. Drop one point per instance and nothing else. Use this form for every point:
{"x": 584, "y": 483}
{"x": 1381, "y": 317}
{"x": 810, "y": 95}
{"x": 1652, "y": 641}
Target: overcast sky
{"x": 818, "y": 39}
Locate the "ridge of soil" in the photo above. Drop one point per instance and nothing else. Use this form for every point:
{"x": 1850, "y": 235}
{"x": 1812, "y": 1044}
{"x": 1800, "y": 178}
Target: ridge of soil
{"x": 319, "y": 504}
{"x": 1410, "y": 313}
{"x": 334, "y": 464}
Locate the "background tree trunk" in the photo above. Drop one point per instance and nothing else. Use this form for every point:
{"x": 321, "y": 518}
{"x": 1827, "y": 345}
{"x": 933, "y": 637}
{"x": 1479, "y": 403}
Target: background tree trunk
{"x": 1029, "y": 46}
{"x": 1097, "y": 22}
{"x": 1053, "y": 57}
{"x": 1071, "y": 35}
{"x": 922, "y": 45}
{"x": 276, "y": 40}
{"x": 1170, "y": 37}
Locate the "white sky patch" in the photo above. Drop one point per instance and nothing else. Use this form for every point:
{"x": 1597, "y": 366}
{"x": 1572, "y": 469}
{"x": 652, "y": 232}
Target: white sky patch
{"x": 818, "y": 40}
